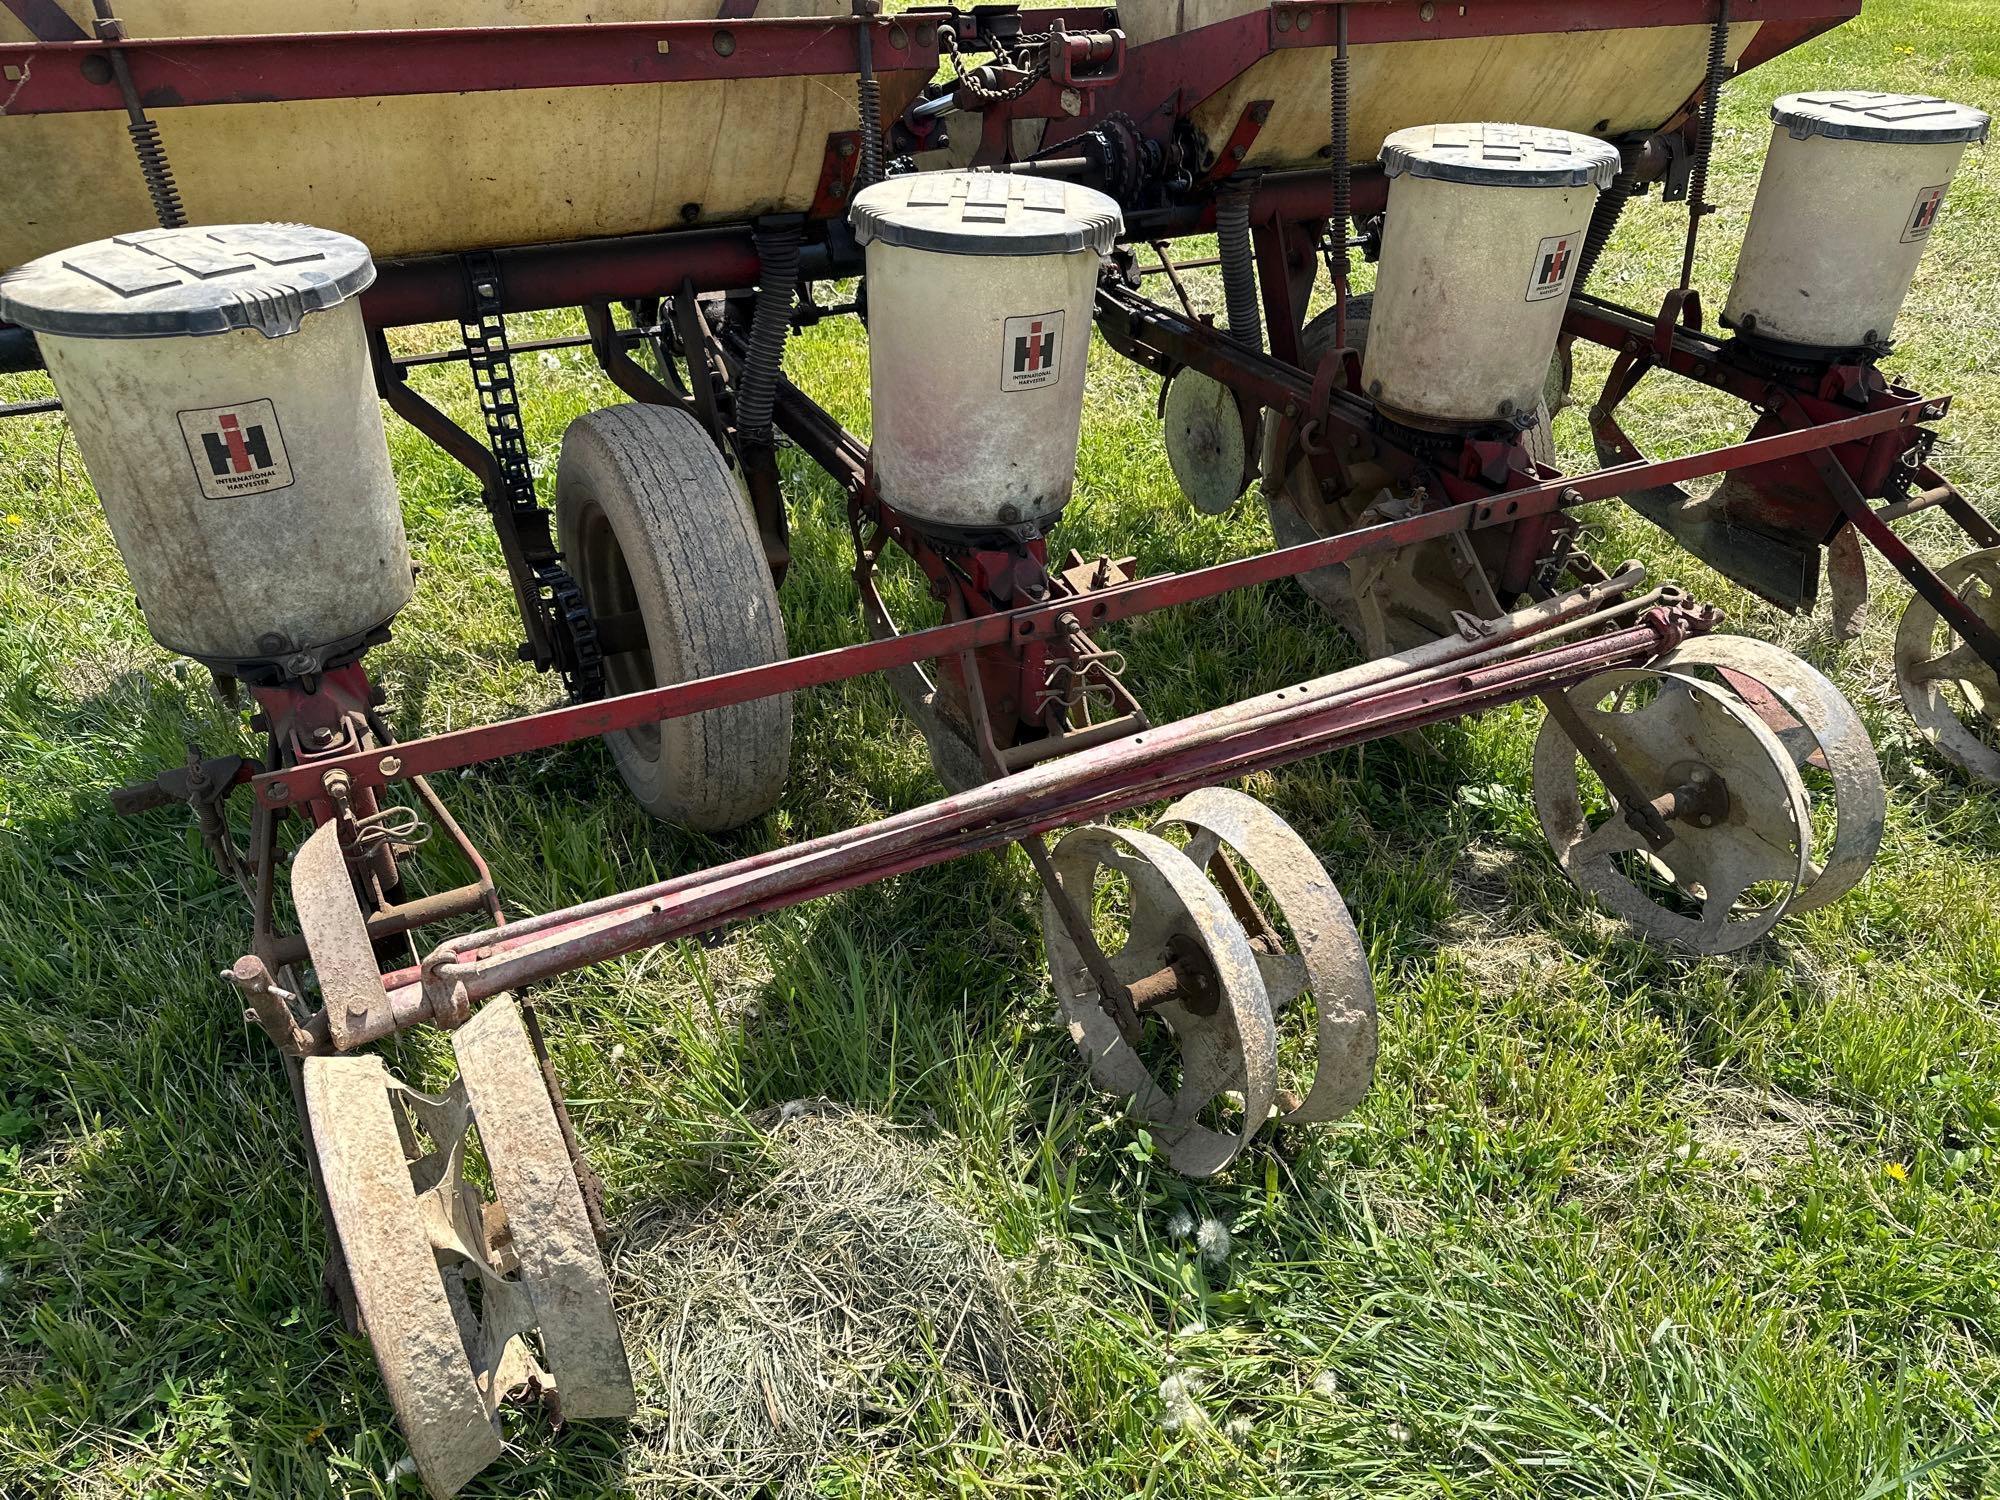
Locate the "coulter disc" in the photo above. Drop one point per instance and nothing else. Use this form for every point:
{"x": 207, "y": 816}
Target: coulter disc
{"x": 1206, "y": 443}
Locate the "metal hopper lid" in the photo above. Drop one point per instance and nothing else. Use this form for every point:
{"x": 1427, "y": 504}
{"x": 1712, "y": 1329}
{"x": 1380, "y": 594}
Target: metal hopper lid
{"x": 1893, "y": 119}
{"x": 1497, "y": 155}
{"x": 986, "y": 213}
{"x": 160, "y": 283}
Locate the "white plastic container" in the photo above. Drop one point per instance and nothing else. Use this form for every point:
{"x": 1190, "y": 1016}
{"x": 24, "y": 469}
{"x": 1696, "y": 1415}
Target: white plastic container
{"x": 1851, "y": 187}
{"x": 1480, "y": 243}
{"x": 219, "y": 386}
{"x": 980, "y": 292}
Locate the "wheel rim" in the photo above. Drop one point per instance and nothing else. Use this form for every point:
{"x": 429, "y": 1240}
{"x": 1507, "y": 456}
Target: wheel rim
{"x": 1232, "y": 1050}
{"x": 1326, "y": 962}
{"x": 1741, "y": 874}
{"x": 1825, "y": 732}
{"x": 1951, "y": 693}
{"x": 451, "y": 1282}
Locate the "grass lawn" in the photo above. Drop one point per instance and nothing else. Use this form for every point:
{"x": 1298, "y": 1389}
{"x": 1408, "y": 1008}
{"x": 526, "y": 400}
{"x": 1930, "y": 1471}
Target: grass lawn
{"x": 1612, "y": 1222}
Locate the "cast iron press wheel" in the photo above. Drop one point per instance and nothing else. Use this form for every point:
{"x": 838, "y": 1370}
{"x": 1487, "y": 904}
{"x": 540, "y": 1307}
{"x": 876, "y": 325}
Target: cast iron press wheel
{"x": 652, "y": 523}
{"x": 1416, "y": 590}
{"x": 466, "y": 1294}
{"x": 1729, "y": 872}
{"x": 1953, "y": 695}
{"x": 1211, "y": 1068}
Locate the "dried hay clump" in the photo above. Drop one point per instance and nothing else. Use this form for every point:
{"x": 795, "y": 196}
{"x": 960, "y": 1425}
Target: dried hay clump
{"x": 827, "y": 1305}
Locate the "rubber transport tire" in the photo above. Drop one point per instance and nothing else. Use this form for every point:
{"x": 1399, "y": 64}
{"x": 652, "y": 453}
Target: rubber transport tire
{"x": 651, "y": 520}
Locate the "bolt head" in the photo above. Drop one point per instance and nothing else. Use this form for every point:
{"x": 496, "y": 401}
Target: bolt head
{"x": 389, "y": 765}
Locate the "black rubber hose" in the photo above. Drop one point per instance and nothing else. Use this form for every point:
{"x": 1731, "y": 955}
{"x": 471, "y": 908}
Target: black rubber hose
{"x": 1239, "y": 276}
{"x": 770, "y": 325}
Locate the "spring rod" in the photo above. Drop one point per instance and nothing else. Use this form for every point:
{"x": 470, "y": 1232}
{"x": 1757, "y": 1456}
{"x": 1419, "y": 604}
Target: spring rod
{"x": 1337, "y": 261}
{"x": 1603, "y": 221}
{"x": 145, "y": 133}
{"x": 1711, "y": 104}
{"x": 868, "y": 95}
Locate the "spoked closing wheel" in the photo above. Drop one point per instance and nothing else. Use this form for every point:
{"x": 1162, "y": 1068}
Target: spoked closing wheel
{"x": 1214, "y": 979}
{"x": 466, "y": 1295}
{"x": 659, "y": 536}
{"x": 1949, "y": 689}
{"x": 1826, "y": 741}
{"x": 1736, "y": 808}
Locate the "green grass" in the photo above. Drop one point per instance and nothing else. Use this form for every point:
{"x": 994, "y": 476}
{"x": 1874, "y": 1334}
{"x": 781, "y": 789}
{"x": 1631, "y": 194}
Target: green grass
{"x": 1611, "y": 1223}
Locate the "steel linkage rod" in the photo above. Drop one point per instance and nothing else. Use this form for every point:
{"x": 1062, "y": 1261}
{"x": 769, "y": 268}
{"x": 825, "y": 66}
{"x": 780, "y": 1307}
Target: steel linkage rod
{"x": 728, "y": 893}
{"x": 1494, "y": 662}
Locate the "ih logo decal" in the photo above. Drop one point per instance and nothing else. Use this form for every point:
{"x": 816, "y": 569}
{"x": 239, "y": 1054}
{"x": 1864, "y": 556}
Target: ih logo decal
{"x": 237, "y": 450}
{"x": 1923, "y": 213}
{"x": 1031, "y": 351}
{"x": 1555, "y": 262}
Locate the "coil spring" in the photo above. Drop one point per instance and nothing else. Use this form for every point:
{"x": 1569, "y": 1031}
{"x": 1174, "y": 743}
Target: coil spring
{"x": 1239, "y": 279}
{"x": 1603, "y": 220}
{"x": 869, "y": 91}
{"x": 1343, "y": 205}
{"x": 1711, "y": 104}
{"x": 777, "y": 285}
{"x": 152, "y": 154}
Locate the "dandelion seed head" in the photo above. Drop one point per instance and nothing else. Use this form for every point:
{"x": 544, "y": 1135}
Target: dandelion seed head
{"x": 1212, "y": 1239}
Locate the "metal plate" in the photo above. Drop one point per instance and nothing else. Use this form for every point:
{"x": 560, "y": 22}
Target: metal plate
{"x": 343, "y": 960}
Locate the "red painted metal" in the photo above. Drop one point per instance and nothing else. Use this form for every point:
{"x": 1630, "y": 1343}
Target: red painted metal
{"x": 173, "y": 72}
{"x": 1237, "y": 147}
{"x": 535, "y": 277}
{"x": 1182, "y": 70}
{"x": 836, "y": 177}
{"x": 1256, "y": 734}
{"x": 565, "y": 725}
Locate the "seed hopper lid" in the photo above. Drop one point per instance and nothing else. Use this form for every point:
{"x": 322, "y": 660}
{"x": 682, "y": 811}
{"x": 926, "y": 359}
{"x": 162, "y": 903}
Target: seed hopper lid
{"x": 159, "y": 283}
{"x": 986, "y": 213}
{"x": 1496, "y": 155}
{"x": 1893, "y": 119}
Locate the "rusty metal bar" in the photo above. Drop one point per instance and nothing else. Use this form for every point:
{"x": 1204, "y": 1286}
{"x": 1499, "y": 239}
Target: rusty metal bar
{"x": 1210, "y": 747}
{"x": 1565, "y": 614}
